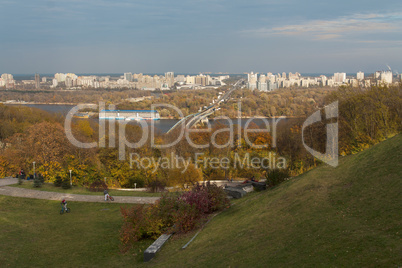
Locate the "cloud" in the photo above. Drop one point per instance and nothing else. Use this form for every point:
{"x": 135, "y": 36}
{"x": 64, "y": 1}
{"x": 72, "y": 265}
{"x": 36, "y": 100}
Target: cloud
{"x": 336, "y": 28}
{"x": 327, "y": 36}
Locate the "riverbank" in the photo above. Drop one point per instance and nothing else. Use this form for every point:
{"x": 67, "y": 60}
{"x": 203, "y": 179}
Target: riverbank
{"x": 66, "y": 107}
{"x": 41, "y": 103}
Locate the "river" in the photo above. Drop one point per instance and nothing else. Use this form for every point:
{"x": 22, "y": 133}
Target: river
{"x": 162, "y": 125}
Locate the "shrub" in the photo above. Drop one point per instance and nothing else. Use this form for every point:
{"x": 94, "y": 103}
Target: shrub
{"x": 41, "y": 178}
{"x": 198, "y": 198}
{"x": 58, "y": 181}
{"x": 37, "y": 183}
{"x": 140, "y": 222}
{"x": 20, "y": 179}
{"x": 156, "y": 186}
{"x": 66, "y": 184}
{"x": 187, "y": 217}
{"x": 98, "y": 186}
{"x": 166, "y": 205}
{"x": 178, "y": 212}
{"x": 129, "y": 233}
{"x": 133, "y": 182}
{"x": 113, "y": 183}
{"x": 276, "y": 176}
{"x": 208, "y": 198}
{"x": 217, "y": 198}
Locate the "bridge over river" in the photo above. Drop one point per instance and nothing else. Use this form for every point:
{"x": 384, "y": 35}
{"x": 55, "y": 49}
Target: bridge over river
{"x": 192, "y": 119}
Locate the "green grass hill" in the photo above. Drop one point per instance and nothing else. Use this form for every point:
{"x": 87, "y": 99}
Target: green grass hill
{"x": 348, "y": 216}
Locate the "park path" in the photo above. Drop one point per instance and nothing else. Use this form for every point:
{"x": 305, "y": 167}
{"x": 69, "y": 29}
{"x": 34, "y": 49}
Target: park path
{"x": 28, "y": 193}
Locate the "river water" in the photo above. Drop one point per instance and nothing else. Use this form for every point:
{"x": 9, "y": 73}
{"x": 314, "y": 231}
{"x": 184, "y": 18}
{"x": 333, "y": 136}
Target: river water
{"x": 162, "y": 125}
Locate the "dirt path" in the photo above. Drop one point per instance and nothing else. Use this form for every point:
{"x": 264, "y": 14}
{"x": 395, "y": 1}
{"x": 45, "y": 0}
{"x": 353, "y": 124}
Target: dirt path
{"x": 20, "y": 192}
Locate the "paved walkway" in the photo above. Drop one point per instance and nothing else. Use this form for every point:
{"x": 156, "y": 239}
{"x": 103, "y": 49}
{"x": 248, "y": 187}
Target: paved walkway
{"x": 28, "y": 193}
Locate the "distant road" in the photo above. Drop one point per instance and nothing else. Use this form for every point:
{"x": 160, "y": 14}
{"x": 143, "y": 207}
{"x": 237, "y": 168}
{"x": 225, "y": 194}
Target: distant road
{"x": 192, "y": 119}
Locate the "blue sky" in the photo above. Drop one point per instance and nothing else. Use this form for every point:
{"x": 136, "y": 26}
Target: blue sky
{"x": 99, "y": 36}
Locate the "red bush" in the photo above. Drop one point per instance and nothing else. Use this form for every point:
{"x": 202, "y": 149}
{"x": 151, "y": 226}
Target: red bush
{"x": 176, "y": 212}
{"x": 198, "y": 197}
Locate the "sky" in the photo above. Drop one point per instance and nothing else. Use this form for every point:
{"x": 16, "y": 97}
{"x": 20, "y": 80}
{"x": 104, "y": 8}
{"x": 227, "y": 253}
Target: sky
{"x": 192, "y": 36}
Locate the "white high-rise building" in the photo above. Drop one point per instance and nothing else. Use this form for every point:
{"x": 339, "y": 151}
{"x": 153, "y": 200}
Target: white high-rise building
{"x": 294, "y": 76}
{"x": 252, "y": 77}
{"x": 128, "y": 77}
{"x": 180, "y": 78}
{"x": 360, "y": 76}
{"x": 190, "y": 79}
{"x": 69, "y": 82}
{"x": 323, "y": 80}
{"x": 271, "y": 77}
{"x": 169, "y": 76}
{"x": 252, "y": 80}
{"x": 272, "y": 85}
{"x": 386, "y": 77}
{"x": 72, "y": 76}
{"x": 7, "y": 77}
{"x": 262, "y": 83}
{"x": 339, "y": 77}
{"x": 354, "y": 82}
{"x": 262, "y": 86}
{"x": 60, "y": 77}
{"x": 7, "y": 80}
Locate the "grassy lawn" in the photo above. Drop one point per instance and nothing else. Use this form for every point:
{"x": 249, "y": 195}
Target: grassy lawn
{"x": 82, "y": 190}
{"x": 34, "y": 234}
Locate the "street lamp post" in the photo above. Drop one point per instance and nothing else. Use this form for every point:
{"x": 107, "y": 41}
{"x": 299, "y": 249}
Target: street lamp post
{"x": 34, "y": 169}
{"x": 71, "y": 182}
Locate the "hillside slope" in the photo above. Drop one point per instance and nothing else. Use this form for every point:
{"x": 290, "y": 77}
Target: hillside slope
{"x": 344, "y": 216}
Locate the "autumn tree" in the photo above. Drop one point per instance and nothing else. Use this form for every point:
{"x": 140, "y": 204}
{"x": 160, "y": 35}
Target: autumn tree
{"x": 184, "y": 177}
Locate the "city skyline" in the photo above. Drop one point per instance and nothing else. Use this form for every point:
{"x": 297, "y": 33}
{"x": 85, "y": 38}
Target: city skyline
{"x": 261, "y": 81}
{"x": 200, "y": 36}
